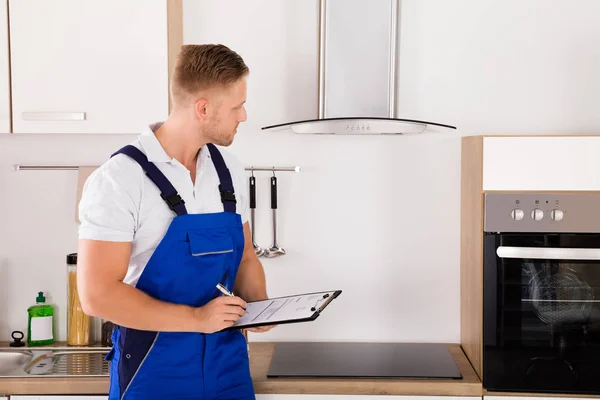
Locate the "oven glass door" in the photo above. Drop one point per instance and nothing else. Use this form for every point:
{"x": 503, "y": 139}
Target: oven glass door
{"x": 542, "y": 312}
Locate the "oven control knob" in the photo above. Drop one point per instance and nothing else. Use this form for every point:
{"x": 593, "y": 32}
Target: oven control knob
{"x": 537, "y": 214}
{"x": 517, "y": 214}
{"x": 556, "y": 215}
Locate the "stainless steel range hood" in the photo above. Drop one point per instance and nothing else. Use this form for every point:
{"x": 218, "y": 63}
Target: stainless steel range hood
{"x": 357, "y": 72}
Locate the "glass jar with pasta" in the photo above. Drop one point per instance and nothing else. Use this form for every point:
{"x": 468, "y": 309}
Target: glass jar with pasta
{"x": 78, "y": 322}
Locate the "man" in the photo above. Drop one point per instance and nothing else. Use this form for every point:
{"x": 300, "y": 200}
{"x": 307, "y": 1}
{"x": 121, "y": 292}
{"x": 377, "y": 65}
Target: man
{"x": 164, "y": 221}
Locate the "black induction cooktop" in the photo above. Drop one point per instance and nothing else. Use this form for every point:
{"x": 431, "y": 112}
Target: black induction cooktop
{"x": 362, "y": 360}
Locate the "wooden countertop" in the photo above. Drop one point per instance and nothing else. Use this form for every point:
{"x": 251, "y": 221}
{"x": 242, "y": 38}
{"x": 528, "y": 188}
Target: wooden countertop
{"x": 260, "y": 359}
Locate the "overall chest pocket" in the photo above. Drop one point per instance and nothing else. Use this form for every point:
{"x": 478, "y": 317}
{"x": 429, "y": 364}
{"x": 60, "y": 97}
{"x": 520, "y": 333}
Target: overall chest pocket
{"x": 206, "y": 244}
{"x": 203, "y": 260}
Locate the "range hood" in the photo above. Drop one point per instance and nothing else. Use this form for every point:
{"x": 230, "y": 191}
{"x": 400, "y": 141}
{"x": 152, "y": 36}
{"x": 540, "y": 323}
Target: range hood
{"x": 357, "y": 72}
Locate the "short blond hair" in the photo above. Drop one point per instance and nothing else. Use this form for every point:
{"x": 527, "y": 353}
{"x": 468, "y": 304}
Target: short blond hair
{"x": 202, "y": 66}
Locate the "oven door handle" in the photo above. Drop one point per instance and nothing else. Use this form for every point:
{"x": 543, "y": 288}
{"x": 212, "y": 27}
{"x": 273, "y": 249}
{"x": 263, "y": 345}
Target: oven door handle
{"x": 548, "y": 253}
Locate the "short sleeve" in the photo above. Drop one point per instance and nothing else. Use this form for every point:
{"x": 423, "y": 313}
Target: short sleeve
{"x": 106, "y": 210}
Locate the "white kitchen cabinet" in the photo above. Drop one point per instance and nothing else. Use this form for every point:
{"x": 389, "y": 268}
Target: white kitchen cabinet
{"x": 279, "y": 42}
{"x": 4, "y": 71}
{"x": 94, "y": 66}
{"x": 541, "y": 163}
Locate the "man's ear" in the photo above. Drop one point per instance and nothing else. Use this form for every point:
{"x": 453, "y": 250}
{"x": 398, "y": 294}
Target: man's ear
{"x": 201, "y": 107}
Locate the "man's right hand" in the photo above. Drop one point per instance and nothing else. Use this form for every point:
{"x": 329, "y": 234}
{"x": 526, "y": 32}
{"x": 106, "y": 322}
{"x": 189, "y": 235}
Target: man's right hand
{"x": 219, "y": 313}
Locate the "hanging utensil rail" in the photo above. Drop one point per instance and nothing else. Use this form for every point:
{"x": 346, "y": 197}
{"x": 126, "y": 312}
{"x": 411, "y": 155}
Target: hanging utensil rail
{"x": 76, "y": 167}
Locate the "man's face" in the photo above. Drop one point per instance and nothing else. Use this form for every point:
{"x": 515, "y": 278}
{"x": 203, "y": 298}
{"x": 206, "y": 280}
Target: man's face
{"x": 226, "y": 114}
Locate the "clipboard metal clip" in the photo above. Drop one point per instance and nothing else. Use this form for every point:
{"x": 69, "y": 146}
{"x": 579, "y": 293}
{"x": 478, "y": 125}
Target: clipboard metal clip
{"x": 318, "y": 301}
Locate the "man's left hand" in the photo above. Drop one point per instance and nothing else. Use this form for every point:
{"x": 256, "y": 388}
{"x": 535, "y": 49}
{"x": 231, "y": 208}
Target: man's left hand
{"x": 260, "y": 329}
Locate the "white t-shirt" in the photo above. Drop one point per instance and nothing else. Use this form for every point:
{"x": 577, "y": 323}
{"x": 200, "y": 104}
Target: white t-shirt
{"x": 120, "y": 203}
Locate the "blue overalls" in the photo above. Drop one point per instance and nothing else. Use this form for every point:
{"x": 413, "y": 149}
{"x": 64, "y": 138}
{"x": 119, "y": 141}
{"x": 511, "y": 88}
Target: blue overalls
{"x": 197, "y": 252}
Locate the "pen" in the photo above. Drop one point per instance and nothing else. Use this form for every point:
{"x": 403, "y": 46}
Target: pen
{"x": 224, "y": 290}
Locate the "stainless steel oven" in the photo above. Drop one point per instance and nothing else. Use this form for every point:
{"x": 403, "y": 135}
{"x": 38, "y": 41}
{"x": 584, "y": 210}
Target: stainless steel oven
{"x": 541, "y": 290}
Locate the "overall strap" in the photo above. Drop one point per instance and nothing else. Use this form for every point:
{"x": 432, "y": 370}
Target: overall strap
{"x": 226, "y": 184}
{"x": 167, "y": 191}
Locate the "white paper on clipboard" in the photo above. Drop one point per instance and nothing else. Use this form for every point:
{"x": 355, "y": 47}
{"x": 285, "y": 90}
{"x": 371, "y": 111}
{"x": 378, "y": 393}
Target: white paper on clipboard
{"x": 282, "y": 309}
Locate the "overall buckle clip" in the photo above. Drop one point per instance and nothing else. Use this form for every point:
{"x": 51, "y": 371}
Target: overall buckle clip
{"x": 227, "y": 195}
{"x": 173, "y": 200}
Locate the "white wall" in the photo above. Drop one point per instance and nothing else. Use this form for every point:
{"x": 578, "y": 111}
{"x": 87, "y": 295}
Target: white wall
{"x": 37, "y": 220}
{"x": 375, "y": 216}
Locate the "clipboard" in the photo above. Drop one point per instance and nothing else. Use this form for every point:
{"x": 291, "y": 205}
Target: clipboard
{"x": 285, "y": 310}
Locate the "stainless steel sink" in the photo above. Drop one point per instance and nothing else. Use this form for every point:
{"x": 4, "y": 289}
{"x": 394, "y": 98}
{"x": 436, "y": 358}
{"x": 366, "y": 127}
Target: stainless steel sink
{"x": 54, "y": 362}
{"x": 12, "y": 362}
